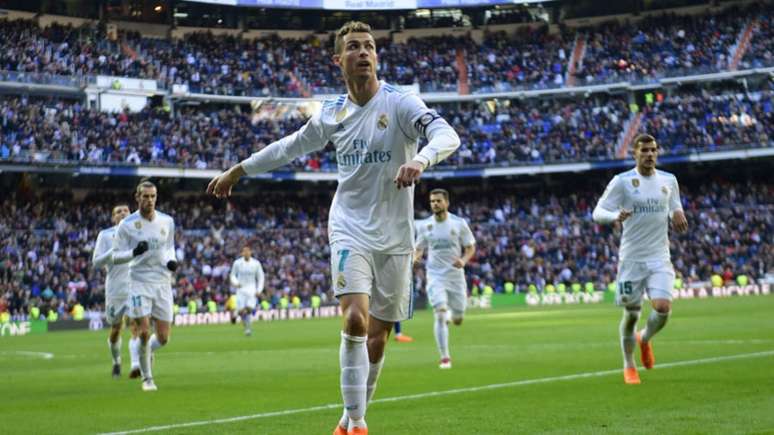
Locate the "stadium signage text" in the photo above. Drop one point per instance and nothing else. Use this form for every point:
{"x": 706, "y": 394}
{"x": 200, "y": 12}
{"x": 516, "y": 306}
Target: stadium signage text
{"x": 721, "y": 292}
{"x": 269, "y": 315}
{"x": 15, "y": 329}
{"x": 564, "y": 298}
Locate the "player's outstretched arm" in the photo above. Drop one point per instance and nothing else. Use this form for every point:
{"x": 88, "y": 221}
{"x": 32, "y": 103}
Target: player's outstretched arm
{"x": 221, "y": 185}
{"x": 311, "y": 137}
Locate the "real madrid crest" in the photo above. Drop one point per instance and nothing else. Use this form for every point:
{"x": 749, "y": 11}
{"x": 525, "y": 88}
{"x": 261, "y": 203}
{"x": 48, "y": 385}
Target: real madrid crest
{"x": 429, "y": 227}
{"x": 382, "y": 122}
{"x": 453, "y": 233}
{"x": 163, "y": 232}
{"x": 138, "y": 225}
{"x": 341, "y": 282}
{"x": 341, "y": 115}
{"x": 636, "y": 182}
{"x": 664, "y": 190}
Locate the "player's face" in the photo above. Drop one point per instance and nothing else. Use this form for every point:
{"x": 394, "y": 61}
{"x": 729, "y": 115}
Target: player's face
{"x": 246, "y": 252}
{"x": 646, "y": 155}
{"x": 358, "y": 56}
{"x": 146, "y": 199}
{"x": 119, "y": 212}
{"x": 438, "y": 204}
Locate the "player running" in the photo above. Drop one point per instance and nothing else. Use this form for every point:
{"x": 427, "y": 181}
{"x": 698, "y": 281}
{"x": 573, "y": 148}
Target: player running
{"x": 643, "y": 200}
{"x": 116, "y": 294}
{"x": 446, "y": 237}
{"x": 146, "y": 240}
{"x": 247, "y": 276}
{"x": 375, "y": 129}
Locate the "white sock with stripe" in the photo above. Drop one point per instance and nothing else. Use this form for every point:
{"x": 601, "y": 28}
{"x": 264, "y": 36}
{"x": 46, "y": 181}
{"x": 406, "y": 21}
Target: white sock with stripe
{"x": 353, "y": 358}
{"x": 628, "y": 340}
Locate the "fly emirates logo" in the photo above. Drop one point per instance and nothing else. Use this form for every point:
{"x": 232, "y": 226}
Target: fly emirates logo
{"x": 361, "y": 155}
{"x": 650, "y": 205}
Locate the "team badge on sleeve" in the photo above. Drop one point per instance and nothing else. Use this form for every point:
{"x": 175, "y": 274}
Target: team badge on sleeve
{"x": 341, "y": 282}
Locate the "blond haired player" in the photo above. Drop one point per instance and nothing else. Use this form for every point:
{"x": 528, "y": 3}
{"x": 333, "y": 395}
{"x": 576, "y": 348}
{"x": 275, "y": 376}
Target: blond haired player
{"x": 146, "y": 240}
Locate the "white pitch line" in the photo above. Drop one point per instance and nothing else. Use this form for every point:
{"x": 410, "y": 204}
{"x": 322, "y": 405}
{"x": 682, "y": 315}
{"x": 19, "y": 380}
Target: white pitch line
{"x": 441, "y": 393}
{"x": 44, "y": 355}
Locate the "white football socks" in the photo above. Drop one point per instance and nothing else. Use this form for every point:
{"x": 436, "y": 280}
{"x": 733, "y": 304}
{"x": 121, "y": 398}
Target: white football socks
{"x": 628, "y": 340}
{"x": 656, "y": 321}
{"x": 115, "y": 350}
{"x": 374, "y": 370}
{"x": 441, "y": 330}
{"x": 353, "y": 359}
{"x": 134, "y": 351}
{"x": 145, "y": 360}
{"x": 154, "y": 343}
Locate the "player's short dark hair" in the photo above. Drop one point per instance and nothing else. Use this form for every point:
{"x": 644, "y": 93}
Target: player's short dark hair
{"x": 145, "y": 183}
{"x": 643, "y": 138}
{"x": 443, "y": 192}
{"x": 120, "y": 204}
{"x": 347, "y": 28}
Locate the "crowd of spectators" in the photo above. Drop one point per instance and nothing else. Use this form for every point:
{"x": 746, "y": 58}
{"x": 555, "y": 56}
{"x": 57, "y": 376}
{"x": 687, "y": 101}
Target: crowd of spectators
{"x": 760, "y": 52}
{"x": 661, "y": 46}
{"x": 702, "y": 121}
{"x": 529, "y": 58}
{"x": 526, "y": 238}
{"x": 532, "y": 131}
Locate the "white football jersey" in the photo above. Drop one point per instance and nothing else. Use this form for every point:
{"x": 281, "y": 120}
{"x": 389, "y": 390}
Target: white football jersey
{"x": 372, "y": 142}
{"x": 444, "y": 242}
{"x": 151, "y": 266}
{"x": 248, "y": 275}
{"x": 117, "y": 281}
{"x": 652, "y": 200}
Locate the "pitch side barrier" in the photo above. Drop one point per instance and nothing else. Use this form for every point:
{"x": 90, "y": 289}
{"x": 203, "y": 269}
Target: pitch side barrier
{"x": 497, "y": 300}
{"x": 571, "y": 298}
{"x": 749, "y": 152}
{"x": 260, "y": 315}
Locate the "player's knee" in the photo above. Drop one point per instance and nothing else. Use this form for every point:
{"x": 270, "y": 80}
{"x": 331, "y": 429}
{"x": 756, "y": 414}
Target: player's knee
{"x": 663, "y": 306}
{"x": 356, "y": 322}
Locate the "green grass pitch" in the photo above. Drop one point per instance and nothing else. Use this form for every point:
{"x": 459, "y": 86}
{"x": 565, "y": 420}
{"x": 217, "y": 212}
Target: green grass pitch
{"x": 208, "y": 373}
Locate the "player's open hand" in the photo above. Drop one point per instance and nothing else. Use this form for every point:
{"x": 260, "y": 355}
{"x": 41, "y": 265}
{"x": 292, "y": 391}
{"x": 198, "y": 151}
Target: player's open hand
{"x": 221, "y": 185}
{"x": 408, "y": 174}
{"x": 623, "y": 215}
{"x": 679, "y": 222}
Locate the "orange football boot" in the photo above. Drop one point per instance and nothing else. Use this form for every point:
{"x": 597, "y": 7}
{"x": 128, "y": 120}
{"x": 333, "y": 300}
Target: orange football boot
{"x": 646, "y": 352}
{"x": 631, "y": 376}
